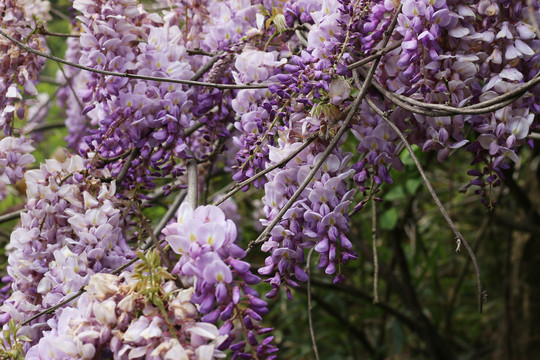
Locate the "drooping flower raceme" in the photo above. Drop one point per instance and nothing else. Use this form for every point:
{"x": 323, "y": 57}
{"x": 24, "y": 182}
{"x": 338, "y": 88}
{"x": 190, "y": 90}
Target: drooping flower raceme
{"x": 319, "y": 218}
{"x": 210, "y": 261}
{"x": 19, "y": 69}
{"x": 72, "y": 229}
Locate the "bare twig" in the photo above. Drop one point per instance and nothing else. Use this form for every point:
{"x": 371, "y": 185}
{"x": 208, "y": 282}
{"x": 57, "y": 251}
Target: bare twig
{"x": 461, "y": 277}
{"x": 60, "y": 14}
{"x": 123, "y": 171}
{"x": 130, "y": 76}
{"x": 43, "y": 31}
{"x": 376, "y": 55}
{"x": 11, "y": 216}
{"x": 459, "y": 237}
{"x": 193, "y": 182}
{"x": 204, "y": 69}
{"x": 190, "y": 130}
{"x": 115, "y": 158}
{"x": 199, "y": 52}
{"x": 283, "y": 162}
{"x": 68, "y": 80}
{"x": 170, "y": 212}
{"x": 375, "y": 252}
{"x": 46, "y": 127}
{"x": 310, "y": 306}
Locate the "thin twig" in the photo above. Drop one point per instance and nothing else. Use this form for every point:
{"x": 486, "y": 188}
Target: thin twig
{"x": 378, "y": 54}
{"x": 534, "y": 136}
{"x": 207, "y": 66}
{"x": 310, "y": 306}
{"x": 52, "y": 309}
{"x": 50, "y": 80}
{"x": 190, "y": 130}
{"x": 46, "y": 127}
{"x": 36, "y": 120}
{"x": 11, "y": 216}
{"x": 460, "y": 239}
{"x": 43, "y": 31}
{"x": 68, "y": 80}
{"x": 344, "y": 127}
{"x": 283, "y": 162}
{"x": 115, "y": 158}
{"x": 461, "y": 277}
{"x": 130, "y": 76}
{"x": 170, "y": 212}
{"x": 123, "y": 171}
{"x": 199, "y": 52}
{"x": 375, "y": 252}
{"x": 357, "y": 332}
{"x": 60, "y": 14}
{"x": 359, "y": 294}
{"x": 193, "y": 181}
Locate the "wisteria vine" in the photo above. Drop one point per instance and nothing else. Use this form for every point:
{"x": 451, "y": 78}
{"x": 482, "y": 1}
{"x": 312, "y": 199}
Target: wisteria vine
{"x": 275, "y": 95}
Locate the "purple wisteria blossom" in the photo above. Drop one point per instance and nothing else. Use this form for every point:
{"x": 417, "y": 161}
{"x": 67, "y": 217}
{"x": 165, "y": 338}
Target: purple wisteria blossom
{"x": 72, "y": 229}
{"x": 319, "y": 219}
{"x": 15, "y": 156}
{"x": 19, "y": 69}
{"x": 209, "y": 260}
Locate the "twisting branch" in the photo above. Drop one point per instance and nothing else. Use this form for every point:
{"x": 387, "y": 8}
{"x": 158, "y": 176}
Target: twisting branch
{"x": 190, "y": 130}
{"x": 459, "y": 237}
{"x": 60, "y": 14}
{"x": 198, "y": 52}
{"x": 310, "y": 306}
{"x": 52, "y": 309}
{"x": 204, "y": 69}
{"x": 344, "y": 127}
{"x": 433, "y": 110}
{"x": 127, "y": 75}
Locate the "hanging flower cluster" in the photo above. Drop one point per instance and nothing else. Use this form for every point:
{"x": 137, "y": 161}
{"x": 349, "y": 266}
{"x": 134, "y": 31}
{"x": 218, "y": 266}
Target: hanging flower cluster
{"x": 210, "y": 261}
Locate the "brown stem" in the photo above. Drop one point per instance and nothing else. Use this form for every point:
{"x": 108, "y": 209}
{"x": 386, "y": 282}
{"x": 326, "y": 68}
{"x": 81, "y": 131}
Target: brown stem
{"x": 127, "y": 75}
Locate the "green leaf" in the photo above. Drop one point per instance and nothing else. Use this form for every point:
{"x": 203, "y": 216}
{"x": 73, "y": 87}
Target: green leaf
{"x": 412, "y": 185}
{"x": 389, "y": 218}
{"x": 24, "y": 338}
{"x": 395, "y": 193}
{"x": 407, "y": 159}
